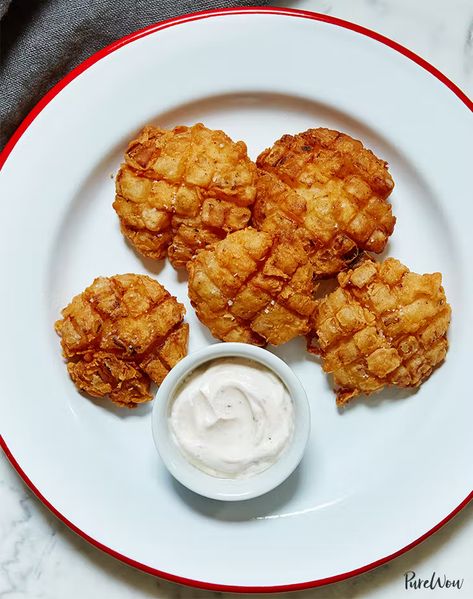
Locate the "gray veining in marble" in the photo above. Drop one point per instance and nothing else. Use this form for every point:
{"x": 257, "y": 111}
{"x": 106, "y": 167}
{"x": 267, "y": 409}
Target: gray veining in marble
{"x": 468, "y": 52}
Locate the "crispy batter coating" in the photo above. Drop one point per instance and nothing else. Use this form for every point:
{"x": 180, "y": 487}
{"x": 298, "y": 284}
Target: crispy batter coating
{"x": 384, "y": 325}
{"x": 330, "y": 187}
{"x": 180, "y": 190}
{"x": 253, "y": 288}
{"x": 121, "y": 333}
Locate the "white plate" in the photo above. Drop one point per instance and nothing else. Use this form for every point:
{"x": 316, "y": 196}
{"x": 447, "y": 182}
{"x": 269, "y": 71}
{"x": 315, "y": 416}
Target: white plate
{"x": 376, "y": 478}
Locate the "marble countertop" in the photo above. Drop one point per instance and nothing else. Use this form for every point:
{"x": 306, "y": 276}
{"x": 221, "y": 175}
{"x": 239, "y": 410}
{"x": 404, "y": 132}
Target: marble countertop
{"x": 41, "y": 558}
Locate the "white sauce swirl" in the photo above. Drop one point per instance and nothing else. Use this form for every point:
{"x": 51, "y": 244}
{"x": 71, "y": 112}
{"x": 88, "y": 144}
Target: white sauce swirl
{"x": 232, "y": 418}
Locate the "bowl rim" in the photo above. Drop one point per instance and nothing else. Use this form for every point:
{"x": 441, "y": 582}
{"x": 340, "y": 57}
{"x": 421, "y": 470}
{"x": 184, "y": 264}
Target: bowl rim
{"x": 230, "y": 489}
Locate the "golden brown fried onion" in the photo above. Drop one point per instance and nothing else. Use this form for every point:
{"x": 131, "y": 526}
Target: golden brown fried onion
{"x": 253, "y": 288}
{"x": 384, "y": 325}
{"x": 180, "y": 190}
{"x": 329, "y": 188}
{"x": 119, "y": 334}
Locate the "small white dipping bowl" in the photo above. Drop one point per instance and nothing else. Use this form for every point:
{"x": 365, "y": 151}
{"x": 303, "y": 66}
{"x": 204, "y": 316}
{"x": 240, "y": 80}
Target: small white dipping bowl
{"x": 229, "y": 489}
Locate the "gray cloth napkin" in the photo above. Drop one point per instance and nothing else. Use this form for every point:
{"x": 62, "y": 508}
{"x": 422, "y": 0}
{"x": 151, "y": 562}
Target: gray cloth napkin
{"x": 42, "y": 40}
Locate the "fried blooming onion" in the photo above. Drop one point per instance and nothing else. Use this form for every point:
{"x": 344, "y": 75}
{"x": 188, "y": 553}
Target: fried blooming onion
{"x": 384, "y": 325}
{"x": 253, "y": 287}
{"x": 332, "y": 190}
{"x": 180, "y": 190}
{"x": 119, "y": 334}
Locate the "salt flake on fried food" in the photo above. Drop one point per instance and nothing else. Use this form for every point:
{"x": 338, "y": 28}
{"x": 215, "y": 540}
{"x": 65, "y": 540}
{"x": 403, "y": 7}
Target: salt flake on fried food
{"x": 332, "y": 190}
{"x": 120, "y": 334}
{"x": 253, "y": 287}
{"x": 383, "y": 326}
{"x": 180, "y": 190}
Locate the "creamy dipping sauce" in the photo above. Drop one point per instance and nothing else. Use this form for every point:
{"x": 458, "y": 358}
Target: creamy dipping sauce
{"x": 232, "y": 417}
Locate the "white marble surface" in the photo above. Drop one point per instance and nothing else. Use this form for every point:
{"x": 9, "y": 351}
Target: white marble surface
{"x": 41, "y": 558}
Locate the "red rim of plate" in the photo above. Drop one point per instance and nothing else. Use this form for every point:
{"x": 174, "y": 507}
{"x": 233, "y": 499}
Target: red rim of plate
{"x": 24, "y": 126}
